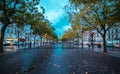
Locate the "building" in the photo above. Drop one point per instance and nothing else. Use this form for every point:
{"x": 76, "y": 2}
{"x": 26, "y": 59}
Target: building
{"x": 113, "y": 35}
{"x": 96, "y": 37}
{"x": 10, "y": 33}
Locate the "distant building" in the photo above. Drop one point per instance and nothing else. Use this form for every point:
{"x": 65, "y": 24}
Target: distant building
{"x": 96, "y": 37}
{"x": 9, "y": 35}
{"x": 113, "y": 35}
{"x": 86, "y": 36}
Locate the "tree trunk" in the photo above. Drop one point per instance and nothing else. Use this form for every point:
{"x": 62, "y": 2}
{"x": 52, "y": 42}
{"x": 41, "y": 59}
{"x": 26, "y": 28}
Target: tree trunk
{"x": 1, "y": 40}
{"x": 2, "y": 37}
{"x": 30, "y": 41}
{"x": 104, "y": 44}
{"x": 18, "y": 38}
{"x": 82, "y": 40}
{"x": 43, "y": 42}
{"x": 34, "y": 41}
{"x": 92, "y": 43}
{"x": 40, "y": 40}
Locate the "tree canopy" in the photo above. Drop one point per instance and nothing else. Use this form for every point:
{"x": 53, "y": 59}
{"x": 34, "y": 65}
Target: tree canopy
{"x": 100, "y": 15}
{"x": 22, "y": 12}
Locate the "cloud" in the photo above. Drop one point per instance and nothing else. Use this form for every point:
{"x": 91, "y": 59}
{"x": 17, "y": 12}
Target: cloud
{"x": 61, "y": 21}
{"x": 55, "y": 13}
{"x": 53, "y": 16}
{"x": 53, "y": 9}
{"x": 66, "y": 27}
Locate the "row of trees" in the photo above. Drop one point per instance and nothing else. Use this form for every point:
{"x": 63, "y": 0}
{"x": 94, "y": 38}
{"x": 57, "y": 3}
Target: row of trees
{"x": 44, "y": 30}
{"x": 100, "y": 15}
{"x": 21, "y": 13}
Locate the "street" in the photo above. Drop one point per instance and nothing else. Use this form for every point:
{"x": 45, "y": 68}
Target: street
{"x": 58, "y": 60}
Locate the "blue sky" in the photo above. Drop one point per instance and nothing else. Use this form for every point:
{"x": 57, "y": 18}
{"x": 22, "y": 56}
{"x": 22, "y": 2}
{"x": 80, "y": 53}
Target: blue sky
{"x": 56, "y": 14}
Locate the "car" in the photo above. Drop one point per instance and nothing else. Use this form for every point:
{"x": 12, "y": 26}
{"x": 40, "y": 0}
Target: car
{"x": 6, "y": 44}
{"x": 117, "y": 45}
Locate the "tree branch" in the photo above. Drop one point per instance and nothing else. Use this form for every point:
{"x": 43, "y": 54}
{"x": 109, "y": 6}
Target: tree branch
{"x": 5, "y": 10}
{"x": 90, "y": 24}
{"x": 13, "y": 10}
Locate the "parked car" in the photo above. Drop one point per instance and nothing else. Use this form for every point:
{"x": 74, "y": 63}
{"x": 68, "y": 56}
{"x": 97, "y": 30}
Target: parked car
{"x": 6, "y": 44}
{"x": 117, "y": 45}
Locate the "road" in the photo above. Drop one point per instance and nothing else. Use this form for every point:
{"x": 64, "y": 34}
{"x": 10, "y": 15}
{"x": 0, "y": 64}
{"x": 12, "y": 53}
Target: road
{"x": 58, "y": 60}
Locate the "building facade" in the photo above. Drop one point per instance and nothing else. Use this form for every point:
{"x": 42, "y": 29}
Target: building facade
{"x": 113, "y": 35}
{"x": 10, "y": 33}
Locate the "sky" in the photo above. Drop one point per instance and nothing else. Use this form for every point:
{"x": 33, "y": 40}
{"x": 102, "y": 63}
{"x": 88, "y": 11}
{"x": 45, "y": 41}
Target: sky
{"x": 56, "y": 15}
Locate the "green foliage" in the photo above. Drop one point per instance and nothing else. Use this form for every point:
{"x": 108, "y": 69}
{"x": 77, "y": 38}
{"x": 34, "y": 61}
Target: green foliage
{"x": 100, "y": 15}
{"x": 10, "y": 8}
{"x": 20, "y": 12}
{"x": 44, "y": 29}
{"x": 69, "y": 34}
{"x": 97, "y": 14}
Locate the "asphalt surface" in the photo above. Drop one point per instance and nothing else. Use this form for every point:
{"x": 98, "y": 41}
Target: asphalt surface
{"x": 58, "y": 60}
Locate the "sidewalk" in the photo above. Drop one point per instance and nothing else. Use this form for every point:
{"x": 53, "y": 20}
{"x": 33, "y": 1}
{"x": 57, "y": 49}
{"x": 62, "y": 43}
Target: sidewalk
{"x": 111, "y": 51}
{"x": 115, "y": 52}
{"x": 15, "y": 48}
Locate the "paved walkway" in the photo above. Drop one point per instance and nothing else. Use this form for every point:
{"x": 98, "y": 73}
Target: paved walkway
{"x": 58, "y": 60}
{"x": 111, "y": 51}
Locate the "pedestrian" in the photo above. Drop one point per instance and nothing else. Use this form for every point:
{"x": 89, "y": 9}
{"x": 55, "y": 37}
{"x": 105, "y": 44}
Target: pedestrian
{"x": 99, "y": 45}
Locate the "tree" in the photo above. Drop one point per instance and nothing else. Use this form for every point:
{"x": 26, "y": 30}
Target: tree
{"x": 19, "y": 20}
{"x": 37, "y": 19}
{"x": 36, "y": 29}
{"x": 68, "y": 35}
{"x": 40, "y": 27}
{"x": 8, "y": 9}
{"x": 101, "y": 15}
{"x": 12, "y": 8}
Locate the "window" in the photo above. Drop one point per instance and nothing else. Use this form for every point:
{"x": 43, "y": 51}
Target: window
{"x": 112, "y": 36}
{"x": 109, "y": 36}
{"x": 116, "y": 30}
{"x": 116, "y": 36}
{"x": 108, "y": 31}
{"x": 112, "y": 30}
